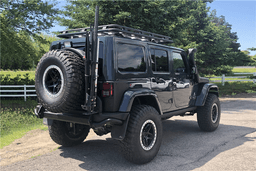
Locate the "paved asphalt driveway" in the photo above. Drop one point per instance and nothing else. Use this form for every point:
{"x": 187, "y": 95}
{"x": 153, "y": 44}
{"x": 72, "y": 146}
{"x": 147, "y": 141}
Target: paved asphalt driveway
{"x": 231, "y": 147}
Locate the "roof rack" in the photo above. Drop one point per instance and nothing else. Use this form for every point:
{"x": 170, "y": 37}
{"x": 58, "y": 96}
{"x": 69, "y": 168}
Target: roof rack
{"x": 118, "y": 30}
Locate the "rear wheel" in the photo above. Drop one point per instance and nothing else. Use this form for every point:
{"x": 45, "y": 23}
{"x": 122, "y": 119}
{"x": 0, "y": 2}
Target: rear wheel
{"x": 59, "y": 81}
{"x": 208, "y": 116}
{"x": 144, "y": 135}
{"x": 68, "y": 134}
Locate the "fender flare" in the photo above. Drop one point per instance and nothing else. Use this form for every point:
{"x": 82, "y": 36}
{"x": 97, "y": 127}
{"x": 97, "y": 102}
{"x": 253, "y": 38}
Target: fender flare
{"x": 119, "y": 131}
{"x": 79, "y": 52}
{"x": 130, "y": 95}
{"x": 200, "y": 100}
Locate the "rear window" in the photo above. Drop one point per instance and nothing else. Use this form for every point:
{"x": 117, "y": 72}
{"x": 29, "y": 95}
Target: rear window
{"x": 131, "y": 58}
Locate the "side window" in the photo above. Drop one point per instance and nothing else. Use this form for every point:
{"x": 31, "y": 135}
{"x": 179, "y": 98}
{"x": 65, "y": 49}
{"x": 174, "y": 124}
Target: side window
{"x": 178, "y": 63}
{"x": 101, "y": 50}
{"x": 159, "y": 60}
{"x": 130, "y": 58}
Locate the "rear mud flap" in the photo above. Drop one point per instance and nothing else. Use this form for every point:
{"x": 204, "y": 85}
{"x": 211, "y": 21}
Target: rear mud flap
{"x": 119, "y": 131}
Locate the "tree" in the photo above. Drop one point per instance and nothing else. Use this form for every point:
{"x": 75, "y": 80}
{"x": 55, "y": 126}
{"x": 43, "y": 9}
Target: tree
{"x": 21, "y": 21}
{"x": 252, "y": 49}
{"x": 19, "y": 50}
{"x": 32, "y": 16}
{"x": 253, "y": 58}
{"x": 188, "y": 23}
{"x": 15, "y": 49}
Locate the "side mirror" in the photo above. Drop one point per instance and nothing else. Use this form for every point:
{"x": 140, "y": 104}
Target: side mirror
{"x": 191, "y": 53}
{"x": 192, "y": 64}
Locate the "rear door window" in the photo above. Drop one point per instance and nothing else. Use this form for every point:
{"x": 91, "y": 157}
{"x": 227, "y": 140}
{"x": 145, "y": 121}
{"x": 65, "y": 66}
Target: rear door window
{"x": 159, "y": 60}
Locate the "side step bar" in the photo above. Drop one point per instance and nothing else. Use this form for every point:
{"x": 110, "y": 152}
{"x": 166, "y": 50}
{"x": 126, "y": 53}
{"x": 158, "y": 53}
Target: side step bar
{"x": 177, "y": 112}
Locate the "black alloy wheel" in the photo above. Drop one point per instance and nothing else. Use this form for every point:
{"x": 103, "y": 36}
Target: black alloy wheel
{"x": 148, "y": 135}
{"x": 53, "y": 80}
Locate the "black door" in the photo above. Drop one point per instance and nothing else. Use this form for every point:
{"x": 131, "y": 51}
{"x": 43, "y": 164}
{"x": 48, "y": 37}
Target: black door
{"x": 182, "y": 84}
{"x": 161, "y": 80}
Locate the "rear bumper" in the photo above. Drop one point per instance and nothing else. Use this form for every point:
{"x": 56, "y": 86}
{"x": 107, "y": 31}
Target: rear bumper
{"x": 82, "y": 117}
{"x": 67, "y": 117}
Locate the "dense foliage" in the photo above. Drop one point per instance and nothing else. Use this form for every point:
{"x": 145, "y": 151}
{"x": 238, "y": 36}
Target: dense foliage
{"x": 22, "y": 45}
{"x": 252, "y": 58}
{"x": 6, "y": 79}
{"x": 32, "y": 16}
{"x": 190, "y": 24}
{"x": 19, "y": 50}
{"x": 233, "y": 88}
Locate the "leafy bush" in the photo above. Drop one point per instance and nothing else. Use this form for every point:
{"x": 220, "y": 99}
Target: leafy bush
{"x": 236, "y": 87}
{"x": 6, "y": 79}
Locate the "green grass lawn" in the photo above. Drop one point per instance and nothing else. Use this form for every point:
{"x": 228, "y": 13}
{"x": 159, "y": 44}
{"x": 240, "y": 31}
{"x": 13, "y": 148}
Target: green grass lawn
{"x": 230, "y": 78}
{"x": 17, "y": 118}
{"x": 244, "y": 70}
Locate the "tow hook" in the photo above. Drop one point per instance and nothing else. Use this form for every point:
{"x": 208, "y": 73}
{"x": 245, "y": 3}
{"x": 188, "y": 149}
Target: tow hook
{"x": 39, "y": 111}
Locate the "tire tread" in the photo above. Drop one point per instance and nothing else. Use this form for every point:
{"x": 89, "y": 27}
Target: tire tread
{"x": 204, "y": 114}
{"x": 128, "y": 146}
{"x": 74, "y": 68}
{"x": 58, "y": 135}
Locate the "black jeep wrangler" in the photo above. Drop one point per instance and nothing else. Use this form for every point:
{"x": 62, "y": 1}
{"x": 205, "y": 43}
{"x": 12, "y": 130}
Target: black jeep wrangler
{"x": 123, "y": 81}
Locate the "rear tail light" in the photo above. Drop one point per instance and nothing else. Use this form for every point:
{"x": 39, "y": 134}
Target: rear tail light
{"x": 107, "y": 89}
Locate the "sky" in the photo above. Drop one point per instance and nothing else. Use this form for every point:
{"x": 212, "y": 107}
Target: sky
{"x": 240, "y": 14}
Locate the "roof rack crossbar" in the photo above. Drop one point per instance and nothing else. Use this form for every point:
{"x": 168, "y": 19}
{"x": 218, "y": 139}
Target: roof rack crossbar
{"x": 116, "y": 29}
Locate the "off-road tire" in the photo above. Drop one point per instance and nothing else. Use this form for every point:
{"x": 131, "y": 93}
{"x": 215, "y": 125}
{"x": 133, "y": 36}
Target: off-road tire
{"x": 62, "y": 134}
{"x": 208, "y": 116}
{"x": 144, "y": 122}
{"x": 59, "y": 81}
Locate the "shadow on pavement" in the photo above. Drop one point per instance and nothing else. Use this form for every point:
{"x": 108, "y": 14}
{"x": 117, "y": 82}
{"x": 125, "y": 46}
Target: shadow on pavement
{"x": 184, "y": 147}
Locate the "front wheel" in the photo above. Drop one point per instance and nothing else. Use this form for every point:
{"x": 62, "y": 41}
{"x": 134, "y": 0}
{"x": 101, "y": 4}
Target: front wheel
{"x": 68, "y": 134}
{"x": 208, "y": 116}
{"x": 144, "y": 135}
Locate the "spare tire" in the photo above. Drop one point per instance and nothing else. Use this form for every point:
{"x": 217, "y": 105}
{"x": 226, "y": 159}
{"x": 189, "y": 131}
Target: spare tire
{"x": 59, "y": 81}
